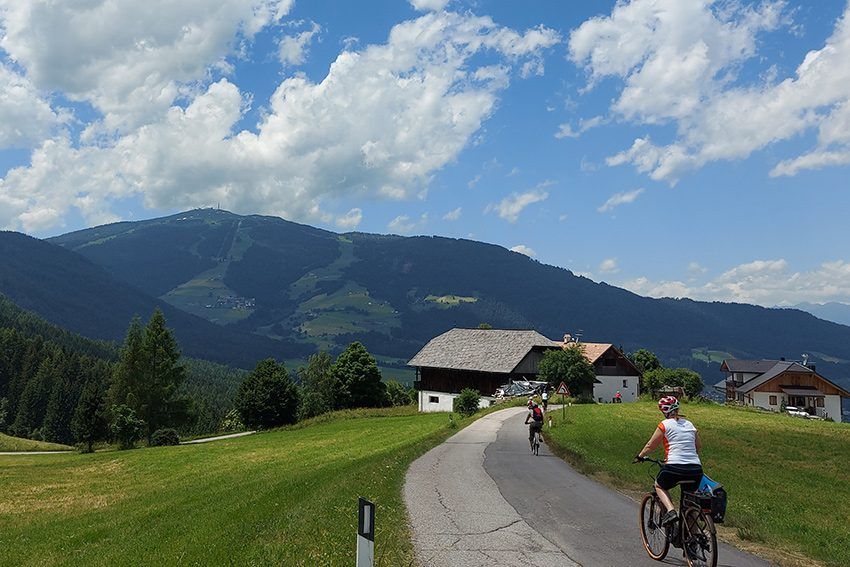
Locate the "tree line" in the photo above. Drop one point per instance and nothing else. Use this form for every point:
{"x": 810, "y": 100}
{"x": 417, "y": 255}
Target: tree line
{"x": 572, "y": 367}
{"x": 270, "y": 397}
{"x": 59, "y": 387}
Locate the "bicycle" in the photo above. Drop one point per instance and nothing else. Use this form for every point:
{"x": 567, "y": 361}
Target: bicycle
{"x": 535, "y": 443}
{"x": 693, "y": 530}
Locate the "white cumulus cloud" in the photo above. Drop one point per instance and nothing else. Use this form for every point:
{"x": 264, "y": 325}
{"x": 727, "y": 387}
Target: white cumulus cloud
{"x": 292, "y": 49}
{"x": 350, "y": 220}
{"x": 131, "y": 60}
{"x": 679, "y": 62}
{"x": 380, "y": 123}
{"x": 763, "y": 282}
{"x": 523, "y": 249}
{"x": 609, "y": 266}
{"x": 620, "y": 199}
{"x": 26, "y": 117}
{"x": 425, "y": 5}
{"x": 403, "y": 224}
{"x": 452, "y": 215}
{"x": 511, "y": 206}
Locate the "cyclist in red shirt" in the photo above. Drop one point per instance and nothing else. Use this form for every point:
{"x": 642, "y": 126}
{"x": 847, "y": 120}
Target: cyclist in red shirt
{"x": 535, "y": 414}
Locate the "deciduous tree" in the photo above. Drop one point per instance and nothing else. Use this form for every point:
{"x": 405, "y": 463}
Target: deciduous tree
{"x": 356, "y": 372}
{"x": 645, "y": 360}
{"x": 127, "y": 429}
{"x": 570, "y": 366}
{"x": 267, "y": 396}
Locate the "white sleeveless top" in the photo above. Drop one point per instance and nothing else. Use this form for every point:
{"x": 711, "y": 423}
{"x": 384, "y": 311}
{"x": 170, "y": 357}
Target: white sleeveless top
{"x": 680, "y": 446}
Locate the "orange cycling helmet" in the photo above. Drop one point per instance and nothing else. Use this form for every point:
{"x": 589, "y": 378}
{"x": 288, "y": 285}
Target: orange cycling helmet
{"x": 668, "y": 404}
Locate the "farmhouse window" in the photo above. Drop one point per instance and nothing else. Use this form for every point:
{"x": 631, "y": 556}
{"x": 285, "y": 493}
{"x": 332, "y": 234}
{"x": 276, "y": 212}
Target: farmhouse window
{"x": 773, "y": 400}
{"x": 609, "y": 362}
{"x": 625, "y": 383}
{"x": 434, "y": 399}
{"x": 819, "y": 402}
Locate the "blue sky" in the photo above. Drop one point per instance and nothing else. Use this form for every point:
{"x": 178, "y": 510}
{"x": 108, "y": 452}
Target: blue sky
{"x": 673, "y": 147}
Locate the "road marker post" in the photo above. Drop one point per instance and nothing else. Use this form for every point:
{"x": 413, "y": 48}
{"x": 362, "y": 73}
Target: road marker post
{"x": 365, "y": 533}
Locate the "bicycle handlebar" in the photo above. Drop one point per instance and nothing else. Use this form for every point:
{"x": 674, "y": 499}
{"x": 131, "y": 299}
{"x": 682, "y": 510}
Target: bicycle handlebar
{"x": 647, "y": 459}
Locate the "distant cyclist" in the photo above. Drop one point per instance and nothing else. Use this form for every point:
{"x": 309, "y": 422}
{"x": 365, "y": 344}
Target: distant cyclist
{"x": 545, "y": 397}
{"x": 681, "y": 446}
{"x": 535, "y": 414}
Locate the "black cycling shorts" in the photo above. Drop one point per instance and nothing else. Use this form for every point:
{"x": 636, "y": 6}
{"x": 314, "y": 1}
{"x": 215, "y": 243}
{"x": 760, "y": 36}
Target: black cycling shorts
{"x": 689, "y": 476}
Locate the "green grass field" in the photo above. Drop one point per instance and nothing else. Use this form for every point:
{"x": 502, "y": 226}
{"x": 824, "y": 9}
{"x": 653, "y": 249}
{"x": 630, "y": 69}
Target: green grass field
{"x": 709, "y": 356}
{"x": 8, "y": 443}
{"x": 279, "y": 498}
{"x": 787, "y": 478}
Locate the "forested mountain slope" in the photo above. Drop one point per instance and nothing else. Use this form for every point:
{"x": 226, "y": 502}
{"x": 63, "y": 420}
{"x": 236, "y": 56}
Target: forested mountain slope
{"x": 266, "y": 276}
{"x": 72, "y": 292}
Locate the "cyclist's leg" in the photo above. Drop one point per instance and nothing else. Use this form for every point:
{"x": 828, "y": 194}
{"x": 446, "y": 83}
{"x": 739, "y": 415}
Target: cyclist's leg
{"x": 665, "y": 480}
{"x": 664, "y": 496}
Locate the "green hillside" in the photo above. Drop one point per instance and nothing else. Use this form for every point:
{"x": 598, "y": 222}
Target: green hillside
{"x": 72, "y": 292}
{"x": 786, "y": 477}
{"x": 43, "y": 368}
{"x": 282, "y": 498}
{"x": 311, "y": 288}
{"x": 9, "y": 443}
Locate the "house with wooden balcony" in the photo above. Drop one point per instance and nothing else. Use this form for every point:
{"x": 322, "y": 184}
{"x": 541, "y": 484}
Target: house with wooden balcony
{"x": 776, "y": 384}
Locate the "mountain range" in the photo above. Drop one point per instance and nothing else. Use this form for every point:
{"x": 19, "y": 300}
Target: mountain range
{"x": 238, "y": 288}
{"x": 830, "y": 311}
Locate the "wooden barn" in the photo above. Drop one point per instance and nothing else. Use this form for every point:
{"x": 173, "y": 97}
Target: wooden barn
{"x": 482, "y": 359}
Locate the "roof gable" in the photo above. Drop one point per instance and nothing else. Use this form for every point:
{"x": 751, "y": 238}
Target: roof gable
{"x": 594, "y": 351}
{"x": 482, "y": 350}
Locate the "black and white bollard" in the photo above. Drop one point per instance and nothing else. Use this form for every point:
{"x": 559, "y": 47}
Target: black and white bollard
{"x": 365, "y": 533}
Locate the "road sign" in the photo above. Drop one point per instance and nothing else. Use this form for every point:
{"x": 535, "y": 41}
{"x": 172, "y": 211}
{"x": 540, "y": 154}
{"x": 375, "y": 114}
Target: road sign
{"x": 563, "y": 390}
{"x": 365, "y": 533}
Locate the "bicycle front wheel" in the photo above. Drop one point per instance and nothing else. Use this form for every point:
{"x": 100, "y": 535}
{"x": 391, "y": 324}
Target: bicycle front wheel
{"x": 652, "y": 533}
{"x": 699, "y": 539}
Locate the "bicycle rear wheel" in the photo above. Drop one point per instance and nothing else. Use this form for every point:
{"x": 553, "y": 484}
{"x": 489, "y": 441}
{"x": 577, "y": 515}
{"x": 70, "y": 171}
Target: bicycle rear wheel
{"x": 652, "y": 533}
{"x": 699, "y": 538}
{"x": 537, "y": 443}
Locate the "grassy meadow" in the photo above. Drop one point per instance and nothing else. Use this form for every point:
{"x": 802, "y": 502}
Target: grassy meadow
{"x": 8, "y": 443}
{"x": 284, "y": 497}
{"x": 787, "y": 478}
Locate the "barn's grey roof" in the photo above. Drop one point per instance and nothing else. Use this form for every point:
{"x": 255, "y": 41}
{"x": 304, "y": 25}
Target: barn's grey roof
{"x": 483, "y": 350}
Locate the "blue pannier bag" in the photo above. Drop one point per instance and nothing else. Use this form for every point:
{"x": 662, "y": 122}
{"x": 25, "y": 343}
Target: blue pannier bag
{"x": 712, "y": 497}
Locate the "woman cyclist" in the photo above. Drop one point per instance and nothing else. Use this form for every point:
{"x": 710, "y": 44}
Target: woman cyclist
{"x": 681, "y": 447}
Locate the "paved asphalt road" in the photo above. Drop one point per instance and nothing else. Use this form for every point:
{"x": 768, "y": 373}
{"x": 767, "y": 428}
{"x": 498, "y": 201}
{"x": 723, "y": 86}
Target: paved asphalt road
{"x": 589, "y": 523}
{"x": 24, "y": 453}
{"x": 218, "y": 438}
{"x": 458, "y": 516}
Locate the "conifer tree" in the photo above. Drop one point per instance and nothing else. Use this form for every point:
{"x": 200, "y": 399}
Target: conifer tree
{"x": 129, "y": 372}
{"x": 33, "y": 402}
{"x": 60, "y": 406}
{"x": 163, "y": 375}
{"x": 89, "y": 423}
